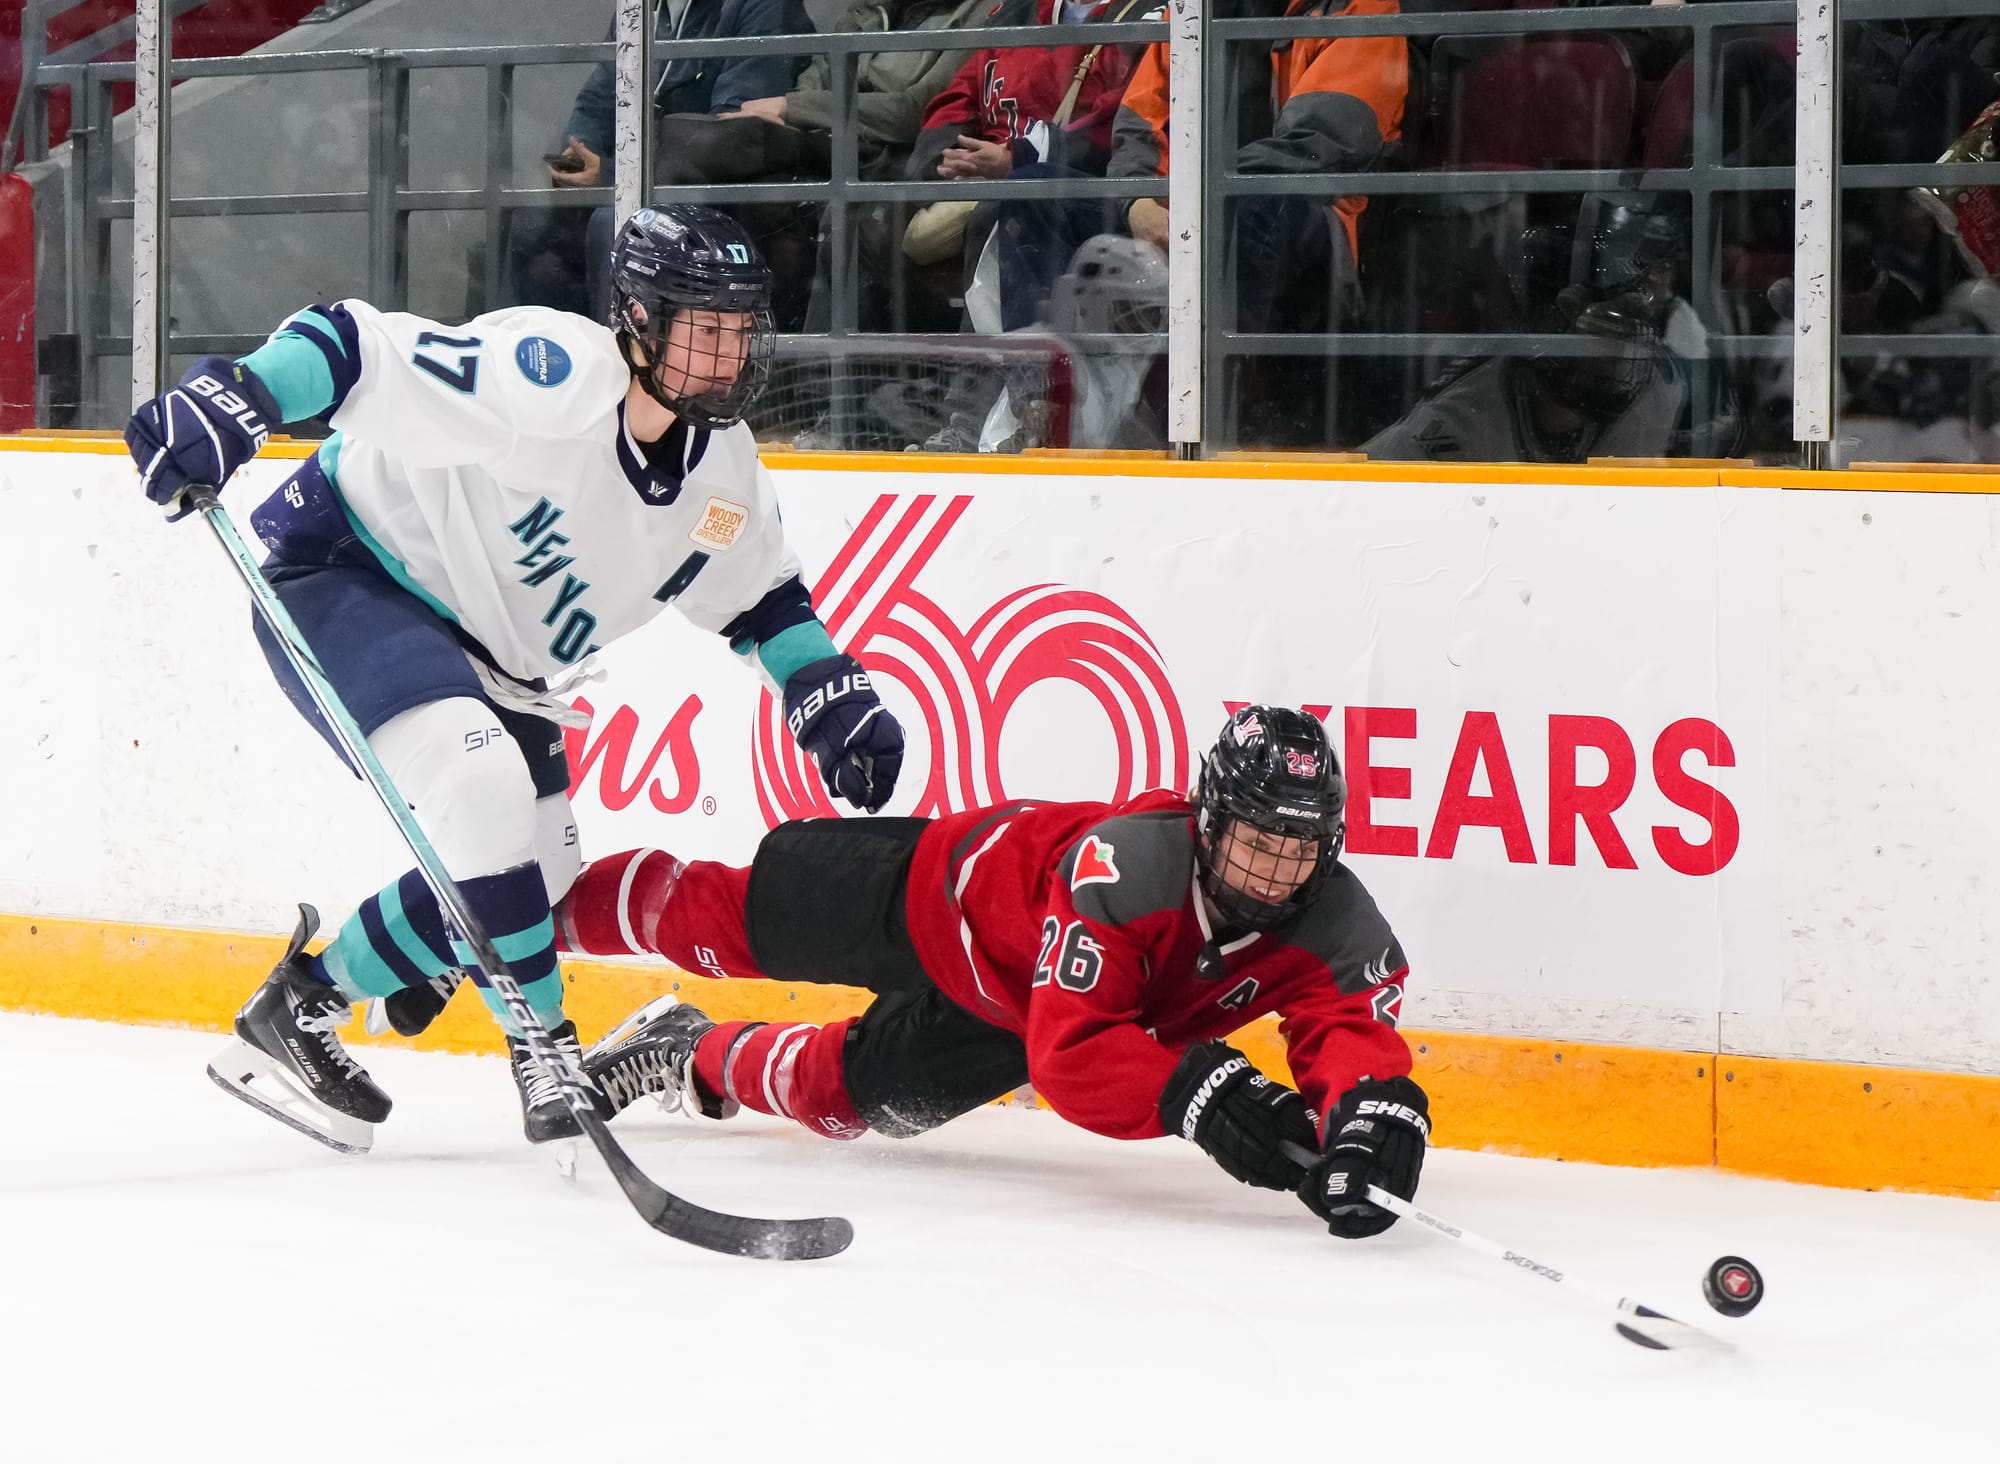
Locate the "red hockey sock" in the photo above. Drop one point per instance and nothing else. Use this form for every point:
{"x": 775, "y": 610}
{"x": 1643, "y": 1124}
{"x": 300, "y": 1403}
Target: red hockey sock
{"x": 789, "y": 1069}
{"x": 645, "y": 902}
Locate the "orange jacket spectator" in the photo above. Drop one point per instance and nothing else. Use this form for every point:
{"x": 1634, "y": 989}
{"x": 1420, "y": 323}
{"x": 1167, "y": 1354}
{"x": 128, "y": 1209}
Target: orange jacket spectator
{"x": 1338, "y": 104}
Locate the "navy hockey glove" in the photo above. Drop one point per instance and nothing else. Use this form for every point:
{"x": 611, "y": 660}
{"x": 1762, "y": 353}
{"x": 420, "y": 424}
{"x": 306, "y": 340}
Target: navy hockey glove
{"x": 834, "y": 714}
{"x": 200, "y": 432}
{"x": 1375, "y": 1136}
{"x": 1237, "y": 1116}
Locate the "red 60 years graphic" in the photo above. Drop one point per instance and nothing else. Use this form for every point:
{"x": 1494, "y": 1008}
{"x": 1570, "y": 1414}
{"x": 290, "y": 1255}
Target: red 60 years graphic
{"x": 965, "y": 681}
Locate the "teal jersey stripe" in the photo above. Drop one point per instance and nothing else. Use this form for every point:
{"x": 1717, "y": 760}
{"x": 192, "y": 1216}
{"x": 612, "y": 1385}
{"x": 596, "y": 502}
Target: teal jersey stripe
{"x": 355, "y": 968}
{"x": 793, "y": 647}
{"x": 397, "y": 922}
{"x": 398, "y": 571}
{"x": 293, "y": 368}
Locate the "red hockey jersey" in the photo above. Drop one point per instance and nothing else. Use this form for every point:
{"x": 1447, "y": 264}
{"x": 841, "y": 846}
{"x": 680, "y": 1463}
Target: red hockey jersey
{"x": 1079, "y": 925}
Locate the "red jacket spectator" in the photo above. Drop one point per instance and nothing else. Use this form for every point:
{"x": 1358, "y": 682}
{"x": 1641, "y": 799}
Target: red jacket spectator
{"x": 999, "y": 95}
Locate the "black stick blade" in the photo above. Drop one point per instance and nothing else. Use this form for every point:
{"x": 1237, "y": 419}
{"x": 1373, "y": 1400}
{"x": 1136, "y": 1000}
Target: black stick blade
{"x": 732, "y": 1235}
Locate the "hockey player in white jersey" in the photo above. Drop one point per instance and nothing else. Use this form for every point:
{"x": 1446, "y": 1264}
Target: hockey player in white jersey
{"x": 497, "y": 501}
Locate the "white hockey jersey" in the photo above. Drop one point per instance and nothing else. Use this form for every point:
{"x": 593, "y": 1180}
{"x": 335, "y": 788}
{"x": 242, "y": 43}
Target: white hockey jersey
{"x": 489, "y": 468}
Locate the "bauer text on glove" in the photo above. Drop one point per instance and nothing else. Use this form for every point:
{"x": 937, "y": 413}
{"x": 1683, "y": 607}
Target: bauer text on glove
{"x": 202, "y": 431}
{"x": 834, "y": 714}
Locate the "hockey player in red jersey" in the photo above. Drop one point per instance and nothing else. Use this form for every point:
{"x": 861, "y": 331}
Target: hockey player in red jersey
{"x": 1100, "y": 951}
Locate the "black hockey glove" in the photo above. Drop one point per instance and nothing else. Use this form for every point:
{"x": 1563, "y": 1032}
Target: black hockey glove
{"x": 1375, "y": 1136}
{"x": 1237, "y": 1116}
{"x": 834, "y": 714}
{"x": 200, "y": 432}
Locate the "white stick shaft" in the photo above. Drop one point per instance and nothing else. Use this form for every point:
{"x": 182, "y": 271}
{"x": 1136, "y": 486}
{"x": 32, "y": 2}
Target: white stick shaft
{"x": 1397, "y": 1205}
{"x": 1655, "y": 1326}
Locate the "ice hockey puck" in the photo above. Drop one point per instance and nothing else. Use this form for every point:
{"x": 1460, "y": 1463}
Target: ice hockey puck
{"x": 1733, "y": 1286}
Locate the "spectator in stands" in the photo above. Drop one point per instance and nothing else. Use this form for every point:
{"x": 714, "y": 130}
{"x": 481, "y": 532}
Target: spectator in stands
{"x": 1027, "y": 111}
{"x": 1335, "y": 104}
{"x": 892, "y": 88}
{"x": 560, "y": 255}
{"x": 1013, "y": 112}
{"x": 892, "y": 91}
{"x": 1008, "y": 109}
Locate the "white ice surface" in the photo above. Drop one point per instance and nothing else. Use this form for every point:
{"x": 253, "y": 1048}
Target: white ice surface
{"x": 186, "y": 1279}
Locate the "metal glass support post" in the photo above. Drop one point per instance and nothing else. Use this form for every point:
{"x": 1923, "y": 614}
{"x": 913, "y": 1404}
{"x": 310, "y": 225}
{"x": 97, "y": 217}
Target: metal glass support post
{"x": 1814, "y": 266}
{"x": 632, "y": 147}
{"x": 388, "y": 176}
{"x": 494, "y": 173}
{"x": 1185, "y": 264}
{"x": 149, "y": 202}
{"x": 844, "y": 279}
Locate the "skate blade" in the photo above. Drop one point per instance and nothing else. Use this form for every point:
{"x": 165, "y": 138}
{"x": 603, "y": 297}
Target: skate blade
{"x": 565, "y": 1157}
{"x": 375, "y": 1017}
{"x": 237, "y": 1067}
{"x": 645, "y": 1016}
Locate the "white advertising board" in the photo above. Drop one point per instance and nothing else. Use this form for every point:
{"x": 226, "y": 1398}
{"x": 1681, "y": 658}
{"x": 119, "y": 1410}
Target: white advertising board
{"x": 1553, "y": 702}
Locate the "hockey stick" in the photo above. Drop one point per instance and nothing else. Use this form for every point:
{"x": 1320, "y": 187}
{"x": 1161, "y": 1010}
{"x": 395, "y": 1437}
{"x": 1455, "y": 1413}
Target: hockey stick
{"x": 739, "y": 1235}
{"x": 1637, "y": 1322}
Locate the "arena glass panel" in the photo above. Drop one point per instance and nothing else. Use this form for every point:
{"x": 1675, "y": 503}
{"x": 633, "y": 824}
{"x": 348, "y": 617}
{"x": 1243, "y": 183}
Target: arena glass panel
{"x": 350, "y": 151}
{"x": 1549, "y": 240}
{"x": 453, "y": 121}
{"x": 1919, "y": 308}
{"x": 923, "y": 203}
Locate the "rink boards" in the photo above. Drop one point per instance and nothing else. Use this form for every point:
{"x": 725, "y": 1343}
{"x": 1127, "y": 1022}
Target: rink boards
{"x": 1674, "y": 784}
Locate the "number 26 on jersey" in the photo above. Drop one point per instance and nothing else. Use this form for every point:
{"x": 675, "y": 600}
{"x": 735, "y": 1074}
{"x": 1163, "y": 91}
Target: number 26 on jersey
{"x": 1069, "y": 957}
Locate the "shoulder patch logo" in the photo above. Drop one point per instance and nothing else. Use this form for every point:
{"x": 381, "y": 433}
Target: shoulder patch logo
{"x": 542, "y": 361}
{"x": 1094, "y": 864}
{"x": 1377, "y": 970}
{"x": 721, "y": 522}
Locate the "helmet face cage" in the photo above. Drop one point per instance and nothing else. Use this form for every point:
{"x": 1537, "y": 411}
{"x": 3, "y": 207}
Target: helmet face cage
{"x": 678, "y": 262}
{"x": 1113, "y": 285}
{"x": 1626, "y": 354}
{"x": 1272, "y": 771}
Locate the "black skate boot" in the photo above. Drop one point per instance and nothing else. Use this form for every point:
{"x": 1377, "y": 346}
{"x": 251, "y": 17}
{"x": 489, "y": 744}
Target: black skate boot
{"x": 652, "y": 1051}
{"x": 287, "y": 1061}
{"x": 409, "y": 1012}
{"x": 544, "y": 1115}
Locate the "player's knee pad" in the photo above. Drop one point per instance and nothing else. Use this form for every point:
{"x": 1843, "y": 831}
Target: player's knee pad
{"x": 465, "y": 777}
{"x": 557, "y": 846}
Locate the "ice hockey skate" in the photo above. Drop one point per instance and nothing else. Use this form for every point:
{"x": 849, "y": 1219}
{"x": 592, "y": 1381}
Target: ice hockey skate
{"x": 545, "y": 1117}
{"x": 652, "y": 1051}
{"x": 288, "y": 1062}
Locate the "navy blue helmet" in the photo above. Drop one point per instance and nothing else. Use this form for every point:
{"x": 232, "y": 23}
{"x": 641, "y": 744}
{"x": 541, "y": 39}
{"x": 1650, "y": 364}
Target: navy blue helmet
{"x": 680, "y": 260}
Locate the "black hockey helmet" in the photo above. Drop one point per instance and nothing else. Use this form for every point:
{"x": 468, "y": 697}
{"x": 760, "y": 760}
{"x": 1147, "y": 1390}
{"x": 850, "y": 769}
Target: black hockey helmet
{"x": 1272, "y": 770}
{"x": 680, "y": 257}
